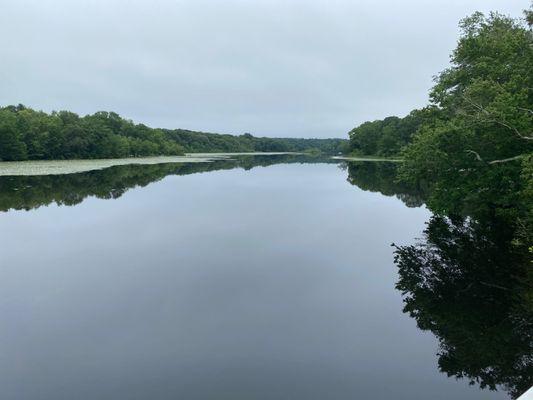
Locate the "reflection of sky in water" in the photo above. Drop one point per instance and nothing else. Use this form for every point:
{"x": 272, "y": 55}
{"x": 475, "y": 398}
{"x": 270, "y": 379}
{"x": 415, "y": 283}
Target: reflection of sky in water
{"x": 265, "y": 284}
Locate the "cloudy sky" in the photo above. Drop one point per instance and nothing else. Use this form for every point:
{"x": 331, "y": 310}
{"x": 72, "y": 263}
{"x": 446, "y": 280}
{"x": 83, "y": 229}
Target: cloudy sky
{"x": 305, "y": 68}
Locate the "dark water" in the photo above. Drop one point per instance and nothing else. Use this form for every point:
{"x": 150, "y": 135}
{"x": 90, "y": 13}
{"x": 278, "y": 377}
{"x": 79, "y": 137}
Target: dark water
{"x": 276, "y": 282}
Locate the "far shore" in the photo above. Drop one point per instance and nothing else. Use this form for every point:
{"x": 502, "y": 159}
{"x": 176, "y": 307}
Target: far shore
{"x": 60, "y": 167}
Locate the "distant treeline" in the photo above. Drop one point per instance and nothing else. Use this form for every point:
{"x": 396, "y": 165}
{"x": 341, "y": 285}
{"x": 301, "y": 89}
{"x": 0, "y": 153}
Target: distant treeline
{"x": 480, "y": 108}
{"x": 26, "y": 134}
{"x": 202, "y": 142}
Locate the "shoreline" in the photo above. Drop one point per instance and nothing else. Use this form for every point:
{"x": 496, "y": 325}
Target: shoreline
{"x": 74, "y": 166}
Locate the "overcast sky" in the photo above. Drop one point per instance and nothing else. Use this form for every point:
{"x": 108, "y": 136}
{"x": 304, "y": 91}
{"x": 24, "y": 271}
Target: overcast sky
{"x": 308, "y": 68}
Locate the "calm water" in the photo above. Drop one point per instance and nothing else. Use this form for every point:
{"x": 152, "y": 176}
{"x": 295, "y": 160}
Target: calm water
{"x": 270, "y": 283}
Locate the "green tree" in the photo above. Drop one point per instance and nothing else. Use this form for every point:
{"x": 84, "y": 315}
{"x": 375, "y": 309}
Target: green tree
{"x": 482, "y": 131}
{"x": 12, "y": 148}
{"x": 386, "y": 137}
{"x": 65, "y": 135}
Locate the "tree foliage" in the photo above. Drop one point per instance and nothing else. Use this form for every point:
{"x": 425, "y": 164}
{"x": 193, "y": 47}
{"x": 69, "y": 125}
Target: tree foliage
{"x": 386, "y": 137}
{"x": 26, "y": 134}
{"x": 470, "y": 280}
{"x": 471, "y": 286}
{"x": 481, "y": 135}
{"x": 202, "y": 142}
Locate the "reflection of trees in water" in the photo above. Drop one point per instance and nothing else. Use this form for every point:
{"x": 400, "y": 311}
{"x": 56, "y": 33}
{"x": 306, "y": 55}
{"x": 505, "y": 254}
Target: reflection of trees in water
{"x": 29, "y": 192}
{"x": 470, "y": 284}
{"x": 382, "y": 177}
{"x": 469, "y": 280}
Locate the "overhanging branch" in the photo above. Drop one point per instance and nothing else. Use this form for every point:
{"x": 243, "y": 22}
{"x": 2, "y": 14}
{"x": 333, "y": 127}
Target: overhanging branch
{"x": 501, "y": 122}
{"x": 499, "y": 161}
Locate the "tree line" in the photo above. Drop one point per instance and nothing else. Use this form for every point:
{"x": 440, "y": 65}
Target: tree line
{"x": 202, "y": 142}
{"x": 471, "y": 148}
{"x": 27, "y": 134}
{"x": 480, "y": 107}
{"x": 474, "y": 156}
{"x": 469, "y": 279}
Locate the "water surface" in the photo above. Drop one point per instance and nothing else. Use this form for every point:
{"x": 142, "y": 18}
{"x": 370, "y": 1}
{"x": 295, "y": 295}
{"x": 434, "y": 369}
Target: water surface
{"x": 179, "y": 282}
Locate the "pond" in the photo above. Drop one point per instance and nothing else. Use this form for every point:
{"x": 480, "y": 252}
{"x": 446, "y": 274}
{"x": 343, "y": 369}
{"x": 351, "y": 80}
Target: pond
{"x": 263, "y": 277}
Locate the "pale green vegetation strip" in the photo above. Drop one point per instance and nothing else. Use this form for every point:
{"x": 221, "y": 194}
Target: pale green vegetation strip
{"x": 60, "y": 167}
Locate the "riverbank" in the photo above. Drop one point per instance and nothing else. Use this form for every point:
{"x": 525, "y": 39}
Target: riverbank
{"x": 60, "y": 167}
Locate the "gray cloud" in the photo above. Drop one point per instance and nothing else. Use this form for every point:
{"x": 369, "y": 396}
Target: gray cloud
{"x": 274, "y": 68}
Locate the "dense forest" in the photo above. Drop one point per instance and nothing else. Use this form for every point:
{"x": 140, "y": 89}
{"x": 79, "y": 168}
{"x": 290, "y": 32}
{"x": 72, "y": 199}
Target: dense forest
{"x": 386, "y": 137}
{"x": 26, "y": 134}
{"x": 201, "y": 142}
{"x": 469, "y": 279}
{"x": 471, "y": 148}
{"x": 481, "y": 102}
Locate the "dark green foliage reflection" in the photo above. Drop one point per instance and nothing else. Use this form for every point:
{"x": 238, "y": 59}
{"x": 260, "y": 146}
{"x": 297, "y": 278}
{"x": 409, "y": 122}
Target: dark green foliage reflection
{"x": 470, "y": 285}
